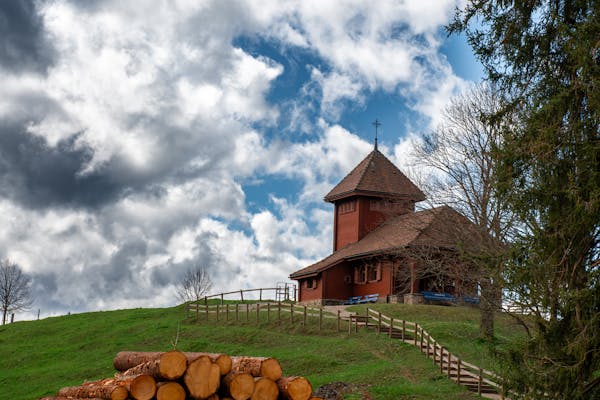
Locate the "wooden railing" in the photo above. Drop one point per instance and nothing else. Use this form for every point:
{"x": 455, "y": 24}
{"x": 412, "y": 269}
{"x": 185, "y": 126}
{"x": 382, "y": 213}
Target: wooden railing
{"x": 267, "y": 312}
{"x": 462, "y": 372}
{"x": 282, "y": 293}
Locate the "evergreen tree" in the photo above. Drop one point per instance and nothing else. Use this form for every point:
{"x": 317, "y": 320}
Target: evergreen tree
{"x": 543, "y": 56}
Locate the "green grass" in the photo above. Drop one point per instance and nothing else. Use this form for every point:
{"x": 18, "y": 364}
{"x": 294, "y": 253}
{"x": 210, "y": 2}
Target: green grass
{"x": 39, "y": 357}
{"x": 456, "y": 328}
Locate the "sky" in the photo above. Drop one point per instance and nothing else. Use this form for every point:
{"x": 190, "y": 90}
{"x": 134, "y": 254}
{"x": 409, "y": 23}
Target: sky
{"x": 139, "y": 139}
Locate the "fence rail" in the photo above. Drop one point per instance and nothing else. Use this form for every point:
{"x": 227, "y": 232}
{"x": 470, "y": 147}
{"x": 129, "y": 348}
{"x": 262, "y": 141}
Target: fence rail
{"x": 462, "y": 372}
{"x": 285, "y": 292}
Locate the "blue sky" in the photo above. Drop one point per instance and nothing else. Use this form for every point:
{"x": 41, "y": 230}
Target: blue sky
{"x": 139, "y": 139}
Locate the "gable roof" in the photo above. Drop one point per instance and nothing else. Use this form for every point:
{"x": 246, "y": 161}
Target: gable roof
{"x": 376, "y": 176}
{"x": 440, "y": 227}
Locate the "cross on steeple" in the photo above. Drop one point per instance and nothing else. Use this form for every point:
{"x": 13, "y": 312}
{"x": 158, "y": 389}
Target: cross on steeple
{"x": 376, "y": 124}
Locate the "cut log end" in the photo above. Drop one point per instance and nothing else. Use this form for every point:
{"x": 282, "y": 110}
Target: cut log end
{"x": 238, "y": 385}
{"x": 143, "y": 387}
{"x": 295, "y": 388}
{"x": 172, "y": 365}
{"x": 202, "y": 378}
{"x": 264, "y": 389}
{"x": 270, "y": 368}
{"x": 170, "y": 391}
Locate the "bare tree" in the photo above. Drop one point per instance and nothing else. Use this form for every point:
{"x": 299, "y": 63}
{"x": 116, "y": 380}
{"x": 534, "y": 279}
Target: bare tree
{"x": 195, "y": 283}
{"x": 459, "y": 156}
{"x": 15, "y": 294}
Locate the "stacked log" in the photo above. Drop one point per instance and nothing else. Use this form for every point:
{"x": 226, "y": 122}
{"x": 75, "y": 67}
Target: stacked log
{"x": 178, "y": 375}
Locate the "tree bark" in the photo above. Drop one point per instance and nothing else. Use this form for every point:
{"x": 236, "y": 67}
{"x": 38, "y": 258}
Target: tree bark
{"x": 202, "y": 378}
{"x": 98, "y": 390}
{"x": 264, "y": 389}
{"x": 295, "y": 388}
{"x": 170, "y": 391}
{"x": 169, "y": 365}
{"x": 69, "y": 398}
{"x": 257, "y": 366}
{"x": 238, "y": 385}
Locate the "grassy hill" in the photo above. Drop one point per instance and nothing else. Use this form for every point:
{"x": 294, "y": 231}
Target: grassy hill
{"x": 39, "y": 357}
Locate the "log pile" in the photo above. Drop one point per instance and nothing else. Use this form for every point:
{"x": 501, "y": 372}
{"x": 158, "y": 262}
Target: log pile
{"x": 176, "y": 375}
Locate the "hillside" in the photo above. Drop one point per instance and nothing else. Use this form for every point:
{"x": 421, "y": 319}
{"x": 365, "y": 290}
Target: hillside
{"x": 55, "y": 352}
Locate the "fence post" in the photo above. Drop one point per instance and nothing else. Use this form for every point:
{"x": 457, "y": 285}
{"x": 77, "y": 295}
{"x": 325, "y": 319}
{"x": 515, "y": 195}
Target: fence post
{"x": 434, "y": 352}
{"x": 441, "y": 359}
{"x": 416, "y": 336}
{"x": 449, "y": 363}
{"x": 427, "y": 346}
{"x": 257, "y": 312}
{"x": 279, "y": 310}
{"x": 292, "y": 312}
{"x": 241, "y": 295}
{"x": 479, "y": 381}
{"x": 268, "y": 312}
{"x": 304, "y": 321}
{"x": 403, "y": 330}
{"x": 206, "y": 307}
{"x": 260, "y": 295}
{"x": 320, "y": 318}
{"x": 421, "y": 341}
{"x": 236, "y": 311}
{"x": 356, "y": 323}
{"x": 247, "y": 312}
{"x": 458, "y": 372}
{"x": 222, "y": 301}
{"x": 378, "y": 322}
{"x": 391, "y": 328}
{"x": 338, "y": 321}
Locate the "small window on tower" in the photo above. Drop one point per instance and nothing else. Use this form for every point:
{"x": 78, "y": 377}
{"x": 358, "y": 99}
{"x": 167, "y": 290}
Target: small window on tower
{"x": 347, "y": 207}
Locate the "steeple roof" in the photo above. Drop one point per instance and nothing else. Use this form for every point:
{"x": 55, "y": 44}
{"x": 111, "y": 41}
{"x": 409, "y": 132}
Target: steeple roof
{"x": 375, "y": 176}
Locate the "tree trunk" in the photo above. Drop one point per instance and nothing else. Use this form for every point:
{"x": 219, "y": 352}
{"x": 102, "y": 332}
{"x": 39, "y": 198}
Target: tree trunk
{"x": 486, "y": 309}
{"x": 238, "y": 385}
{"x": 264, "y": 389}
{"x": 169, "y": 365}
{"x": 295, "y": 388}
{"x": 98, "y": 390}
{"x": 69, "y": 398}
{"x": 170, "y": 391}
{"x": 257, "y": 366}
{"x": 202, "y": 378}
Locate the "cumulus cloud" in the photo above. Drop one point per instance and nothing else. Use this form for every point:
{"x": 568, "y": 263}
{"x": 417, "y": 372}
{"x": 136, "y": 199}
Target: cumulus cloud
{"x": 129, "y": 129}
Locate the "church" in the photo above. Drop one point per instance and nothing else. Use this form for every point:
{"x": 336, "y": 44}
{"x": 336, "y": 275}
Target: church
{"x": 382, "y": 246}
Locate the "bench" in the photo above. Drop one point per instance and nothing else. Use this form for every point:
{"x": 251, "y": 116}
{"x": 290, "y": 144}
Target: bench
{"x": 353, "y": 300}
{"x": 369, "y": 298}
{"x": 441, "y": 297}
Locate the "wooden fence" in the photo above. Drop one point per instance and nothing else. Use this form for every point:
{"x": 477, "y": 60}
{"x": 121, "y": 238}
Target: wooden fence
{"x": 281, "y": 293}
{"x": 270, "y": 311}
{"x": 473, "y": 377}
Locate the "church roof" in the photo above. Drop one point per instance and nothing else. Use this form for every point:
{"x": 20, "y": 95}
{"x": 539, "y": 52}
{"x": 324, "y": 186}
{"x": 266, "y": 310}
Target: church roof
{"x": 440, "y": 227}
{"x": 375, "y": 176}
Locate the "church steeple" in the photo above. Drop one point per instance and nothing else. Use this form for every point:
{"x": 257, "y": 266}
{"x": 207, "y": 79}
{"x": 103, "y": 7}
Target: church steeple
{"x": 376, "y": 124}
{"x": 374, "y": 191}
